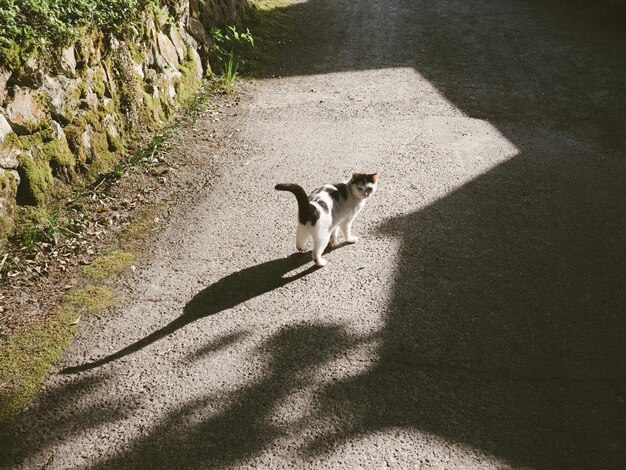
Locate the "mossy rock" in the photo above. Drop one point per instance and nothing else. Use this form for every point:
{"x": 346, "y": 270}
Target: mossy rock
{"x": 36, "y": 176}
{"x": 8, "y": 189}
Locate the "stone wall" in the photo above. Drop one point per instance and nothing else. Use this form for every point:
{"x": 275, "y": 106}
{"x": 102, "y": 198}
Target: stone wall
{"x": 66, "y": 118}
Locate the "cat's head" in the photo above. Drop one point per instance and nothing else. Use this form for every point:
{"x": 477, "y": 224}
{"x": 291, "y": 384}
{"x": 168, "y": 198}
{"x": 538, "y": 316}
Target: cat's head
{"x": 363, "y": 185}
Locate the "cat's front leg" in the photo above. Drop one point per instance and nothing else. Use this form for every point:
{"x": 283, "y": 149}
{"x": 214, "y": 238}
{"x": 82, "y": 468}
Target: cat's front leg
{"x": 346, "y": 228}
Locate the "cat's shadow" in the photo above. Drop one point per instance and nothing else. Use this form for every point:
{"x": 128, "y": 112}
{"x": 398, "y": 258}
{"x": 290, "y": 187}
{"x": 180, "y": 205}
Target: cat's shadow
{"x": 226, "y": 293}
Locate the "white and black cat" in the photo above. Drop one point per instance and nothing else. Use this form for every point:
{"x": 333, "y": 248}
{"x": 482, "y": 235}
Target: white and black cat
{"x": 329, "y": 209}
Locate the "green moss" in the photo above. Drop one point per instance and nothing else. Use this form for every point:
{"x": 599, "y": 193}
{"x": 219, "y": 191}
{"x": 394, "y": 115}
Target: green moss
{"x": 114, "y": 142}
{"x": 189, "y": 83}
{"x": 98, "y": 84}
{"x": 59, "y": 155}
{"x": 74, "y": 136}
{"x": 87, "y": 300}
{"x": 36, "y": 176}
{"x": 101, "y": 159}
{"x": 109, "y": 264}
{"x": 11, "y": 141}
{"x": 143, "y": 224}
{"x": 26, "y": 358}
{"x": 153, "y": 112}
{"x": 8, "y": 185}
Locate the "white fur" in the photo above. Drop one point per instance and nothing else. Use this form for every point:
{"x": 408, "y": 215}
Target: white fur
{"x": 340, "y": 217}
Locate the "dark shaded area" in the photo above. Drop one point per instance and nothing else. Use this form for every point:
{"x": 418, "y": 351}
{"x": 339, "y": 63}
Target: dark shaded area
{"x": 68, "y": 420}
{"x": 226, "y": 293}
{"x": 217, "y": 431}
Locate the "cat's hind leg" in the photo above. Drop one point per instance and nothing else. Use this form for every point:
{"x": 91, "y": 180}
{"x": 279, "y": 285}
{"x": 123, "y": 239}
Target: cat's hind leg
{"x": 320, "y": 241}
{"x": 302, "y": 234}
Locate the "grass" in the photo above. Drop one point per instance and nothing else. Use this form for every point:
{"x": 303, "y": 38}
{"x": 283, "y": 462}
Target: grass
{"x": 229, "y": 74}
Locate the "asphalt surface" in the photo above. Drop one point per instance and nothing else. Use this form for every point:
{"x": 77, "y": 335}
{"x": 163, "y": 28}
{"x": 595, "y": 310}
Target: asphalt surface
{"x": 478, "y": 323}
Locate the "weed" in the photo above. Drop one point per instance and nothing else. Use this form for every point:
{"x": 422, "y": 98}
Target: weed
{"x": 229, "y": 73}
{"x": 229, "y": 48}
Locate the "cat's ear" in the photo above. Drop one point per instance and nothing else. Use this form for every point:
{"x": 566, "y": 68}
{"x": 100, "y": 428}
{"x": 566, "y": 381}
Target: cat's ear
{"x": 355, "y": 174}
{"x": 374, "y": 177}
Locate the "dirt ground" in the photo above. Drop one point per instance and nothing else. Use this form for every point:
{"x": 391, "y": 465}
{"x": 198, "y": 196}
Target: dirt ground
{"x": 478, "y": 323}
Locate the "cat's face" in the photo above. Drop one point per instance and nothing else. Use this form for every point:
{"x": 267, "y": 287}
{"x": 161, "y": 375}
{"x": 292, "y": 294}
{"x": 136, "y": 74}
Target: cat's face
{"x": 364, "y": 185}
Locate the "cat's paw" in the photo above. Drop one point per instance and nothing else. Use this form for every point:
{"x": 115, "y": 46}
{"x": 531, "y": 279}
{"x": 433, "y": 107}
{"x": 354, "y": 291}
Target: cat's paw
{"x": 352, "y": 239}
{"x": 300, "y": 248}
{"x": 321, "y": 262}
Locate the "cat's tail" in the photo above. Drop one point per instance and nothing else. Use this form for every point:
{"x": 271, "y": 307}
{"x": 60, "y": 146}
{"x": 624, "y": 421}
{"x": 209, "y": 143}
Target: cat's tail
{"x": 304, "y": 206}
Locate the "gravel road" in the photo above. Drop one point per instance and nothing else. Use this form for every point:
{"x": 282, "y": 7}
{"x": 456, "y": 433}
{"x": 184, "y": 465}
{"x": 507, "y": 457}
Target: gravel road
{"x": 478, "y": 323}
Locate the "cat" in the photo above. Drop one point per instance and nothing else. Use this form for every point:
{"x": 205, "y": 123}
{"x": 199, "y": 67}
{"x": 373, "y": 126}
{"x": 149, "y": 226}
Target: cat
{"x": 329, "y": 209}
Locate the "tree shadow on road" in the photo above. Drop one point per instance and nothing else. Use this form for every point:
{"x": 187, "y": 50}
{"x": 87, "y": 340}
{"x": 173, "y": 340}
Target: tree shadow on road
{"x": 224, "y": 429}
{"x": 226, "y": 293}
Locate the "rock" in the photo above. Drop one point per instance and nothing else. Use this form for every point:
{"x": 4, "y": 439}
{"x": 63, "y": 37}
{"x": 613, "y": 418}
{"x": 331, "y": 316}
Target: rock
{"x": 109, "y": 124}
{"x": 137, "y": 68}
{"x": 151, "y": 76}
{"x": 26, "y": 111}
{"x": 92, "y": 100}
{"x": 198, "y": 63}
{"x": 196, "y": 29}
{"x": 8, "y": 158}
{"x": 58, "y": 130}
{"x": 86, "y": 139}
{"x": 179, "y": 44}
{"x": 68, "y": 61}
{"x": 63, "y": 95}
{"x": 4, "y": 78}
{"x": 159, "y": 63}
{"x": 32, "y": 74}
{"x": 167, "y": 50}
{"x": 172, "y": 76}
{"x": 5, "y": 128}
{"x": 150, "y": 29}
{"x": 8, "y": 153}
{"x": 188, "y": 39}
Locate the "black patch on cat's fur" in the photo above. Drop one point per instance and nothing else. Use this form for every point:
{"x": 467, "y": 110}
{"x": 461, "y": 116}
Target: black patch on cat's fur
{"x": 342, "y": 190}
{"x": 323, "y": 205}
{"x": 314, "y": 215}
